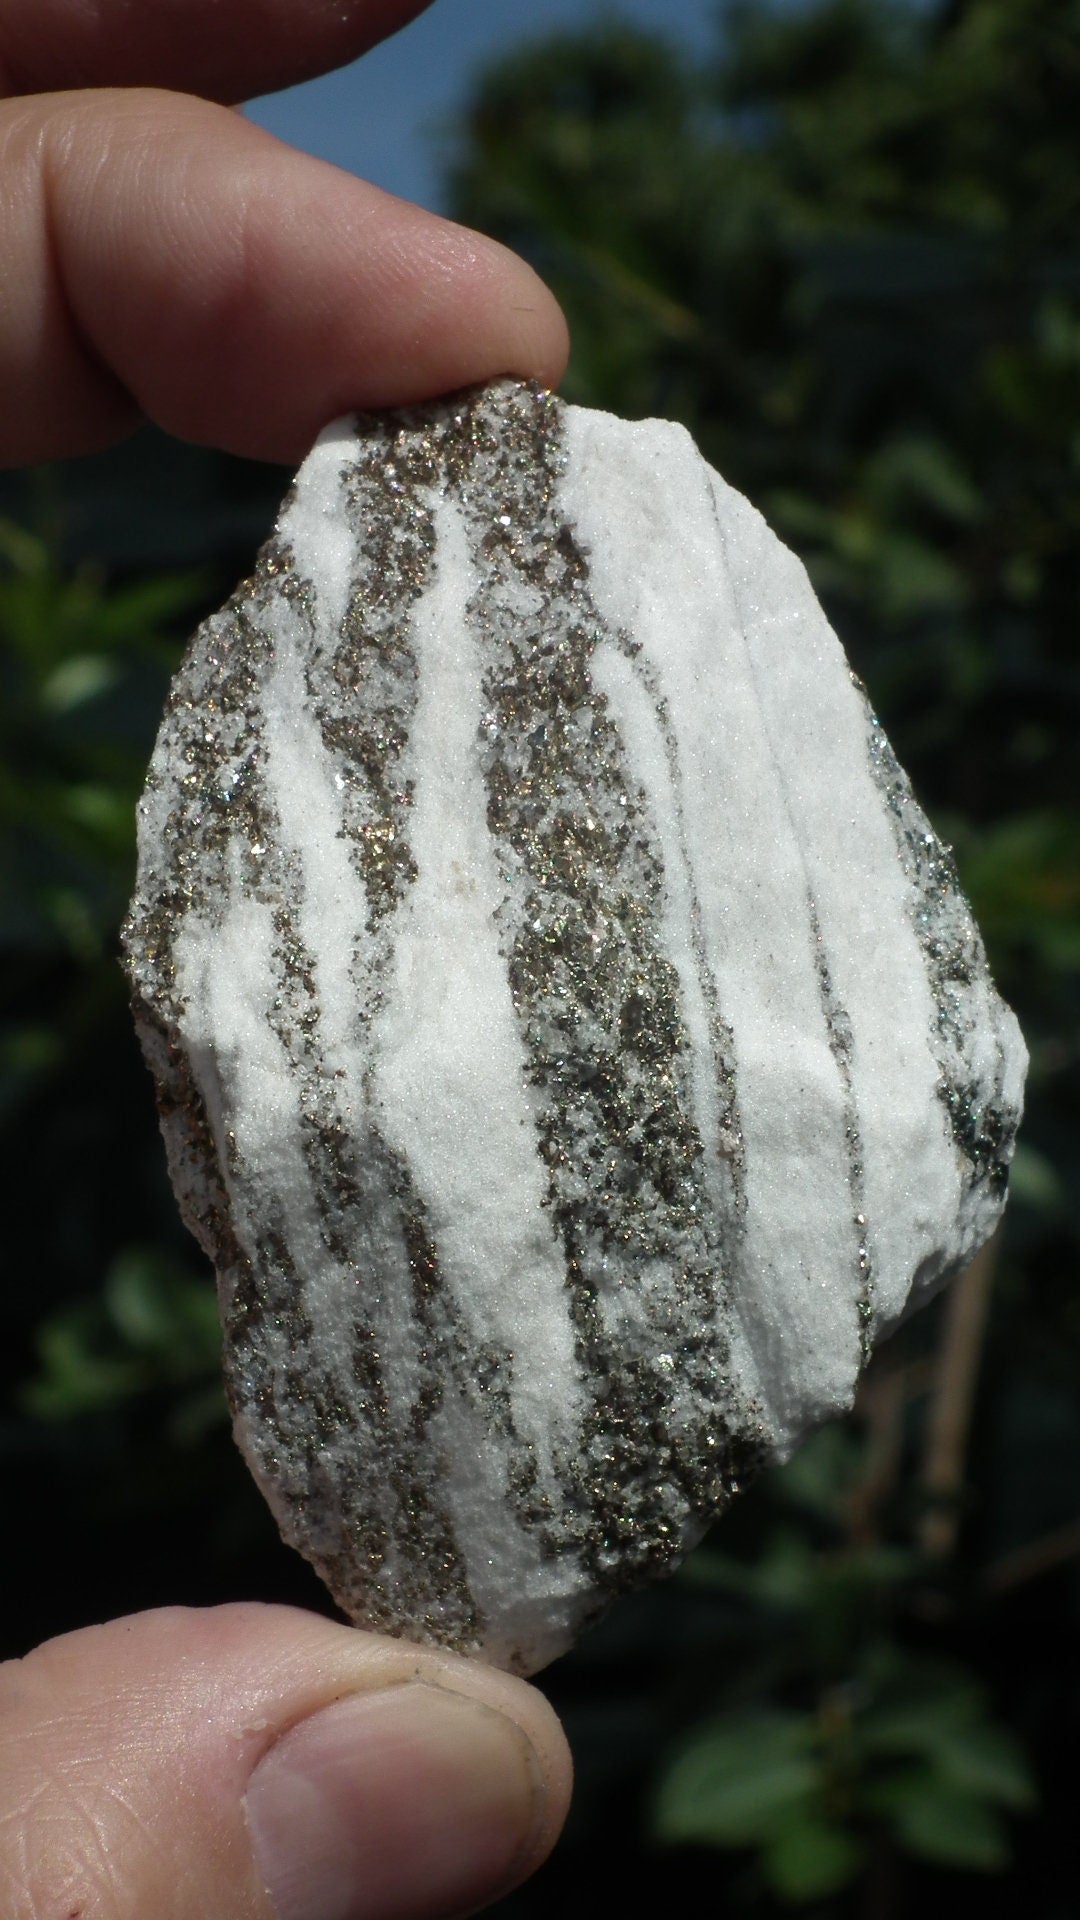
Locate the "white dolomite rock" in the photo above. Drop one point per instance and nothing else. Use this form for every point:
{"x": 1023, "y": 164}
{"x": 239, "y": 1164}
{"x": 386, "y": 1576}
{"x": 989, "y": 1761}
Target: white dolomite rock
{"x": 572, "y": 1046}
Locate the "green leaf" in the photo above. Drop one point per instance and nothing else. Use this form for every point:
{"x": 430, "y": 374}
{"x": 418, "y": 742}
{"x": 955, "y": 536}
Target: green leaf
{"x": 1034, "y": 1181}
{"x": 737, "y": 1779}
{"x": 101, "y": 810}
{"x": 920, "y": 1724}
{"x": 163, "y": 1311}
{"x": 73, "y": 920}
{"x": 817, "y": 1479}
{"x": 808, "y": 1857}
{"x": 934, "y": 1819}
{"x": 153, "y": 1326}
{"x": 135, "y": 613}
{"x": 77, "y": 681}
{"x": 985, "y": 1760}
{"x": 22, "y": 550}
{"x": 78, "y": 1371}
{"x": 30, "y": 1050}
{"x": 784, "y": 1576}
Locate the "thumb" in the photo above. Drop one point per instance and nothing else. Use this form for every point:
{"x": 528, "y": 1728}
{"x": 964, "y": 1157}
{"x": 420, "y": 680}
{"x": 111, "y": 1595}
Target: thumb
{"x": 256, "y": 1763}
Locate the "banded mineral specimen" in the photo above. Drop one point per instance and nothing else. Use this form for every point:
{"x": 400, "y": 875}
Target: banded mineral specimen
{"x": 573, "y": 1048}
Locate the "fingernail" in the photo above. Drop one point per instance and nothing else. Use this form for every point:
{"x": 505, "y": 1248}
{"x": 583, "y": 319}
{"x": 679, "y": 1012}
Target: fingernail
{"x": 409, "y": 1802}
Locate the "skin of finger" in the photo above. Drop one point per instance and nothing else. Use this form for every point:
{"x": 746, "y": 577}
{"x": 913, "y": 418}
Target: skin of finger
{"x": 57, "y": 396}
{"x": 125, "y": 1752}
{"x": 162, "y": 251}
{"x": 226, "y": 52}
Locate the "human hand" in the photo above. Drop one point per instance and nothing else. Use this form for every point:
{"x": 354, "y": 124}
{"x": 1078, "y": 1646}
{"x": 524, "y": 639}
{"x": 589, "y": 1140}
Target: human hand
{"x": 164, "y": 258}
{"x": 178, "y": 1765}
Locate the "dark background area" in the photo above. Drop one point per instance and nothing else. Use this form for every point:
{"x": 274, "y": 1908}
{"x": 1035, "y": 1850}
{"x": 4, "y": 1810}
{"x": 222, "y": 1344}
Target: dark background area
{"x": 846, "y": 253}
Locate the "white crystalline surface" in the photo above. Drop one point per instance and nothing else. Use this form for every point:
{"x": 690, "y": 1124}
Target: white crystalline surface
{"x": 572, "y": 1046}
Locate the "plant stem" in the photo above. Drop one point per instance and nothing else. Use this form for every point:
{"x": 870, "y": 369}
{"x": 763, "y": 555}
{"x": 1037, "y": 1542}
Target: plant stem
{"x": 952, "y": 1402}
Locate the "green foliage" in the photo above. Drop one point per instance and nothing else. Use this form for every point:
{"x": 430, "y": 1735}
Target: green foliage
{"x": 113, "y": 1428}
{"x": 834, "y": 1739}
{"x": 153, "y": 1330}
{"x": 82, "y": 669}
{"x": 905, "y": 1745}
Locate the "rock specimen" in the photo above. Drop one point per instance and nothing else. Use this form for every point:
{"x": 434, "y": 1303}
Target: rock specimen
{"x": 572, "y": 1046}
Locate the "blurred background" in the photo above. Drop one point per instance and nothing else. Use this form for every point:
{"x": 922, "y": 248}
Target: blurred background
{"x": 840, "y": 240}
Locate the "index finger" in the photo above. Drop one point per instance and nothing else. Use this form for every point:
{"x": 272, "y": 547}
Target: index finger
{"x": 224, "y": 52}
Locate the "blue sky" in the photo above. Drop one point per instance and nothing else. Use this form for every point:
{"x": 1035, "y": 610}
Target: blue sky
{"x": 381, "y": 117}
